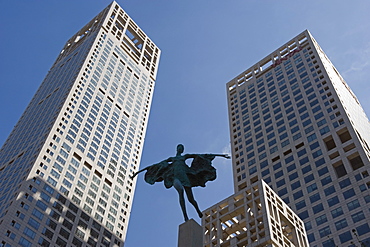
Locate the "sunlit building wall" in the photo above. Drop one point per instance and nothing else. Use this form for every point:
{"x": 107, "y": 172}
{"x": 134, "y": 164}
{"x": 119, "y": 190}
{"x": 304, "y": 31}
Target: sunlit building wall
{"x": 296, "y": 124}
{"x": 64, "y": 168}
{"x": 254, "y": 216}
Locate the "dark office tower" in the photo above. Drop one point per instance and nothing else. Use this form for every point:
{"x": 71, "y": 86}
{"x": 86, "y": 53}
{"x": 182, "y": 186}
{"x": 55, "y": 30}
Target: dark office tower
{"x": 296, "y": 124}
{"x": 64, "y": 168}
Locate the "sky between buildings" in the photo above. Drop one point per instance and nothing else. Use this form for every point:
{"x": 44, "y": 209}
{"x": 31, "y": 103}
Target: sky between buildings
{"x": 204, "y": 45}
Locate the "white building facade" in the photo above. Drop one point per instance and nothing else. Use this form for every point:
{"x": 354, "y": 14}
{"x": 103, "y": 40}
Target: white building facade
{"x": 296, "y": 124}
{"x": 255, "y": 216}
{"x": 64, "y": 169}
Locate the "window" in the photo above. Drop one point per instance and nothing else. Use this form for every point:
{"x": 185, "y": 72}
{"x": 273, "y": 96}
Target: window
{"x": 318, "y": 208}
{"x": 358, "y": 216}
{"x": 24, "y": 242}
{"x": 277, "y": 166}
{"x": 67, "y": 224}
{"x": 329, "y": 243}
{"x": 290, "y": 117}
{"x": 296, "y": 185}
{"x": 330, "y": 190}
{"x": 61, "y": 242}
{"x": 315, "y": 198}
{"x": 340, "y": 169}
{"x": 314, "y": 145}
{"x": 252, "y": 170}
{"x": 43, "y": 242}
{"x": 64, "y": 233}
{"x": 67, "y": 183}
{"x": 35, "y": 224}
{"x": 41, "y": 205}
{"x": 295, "y": 129}
{"x": 311, "y": 138}
{"x": 319, "y": 115}
{"x": 306, "y": 169}
{"x": 274, "y": 149}
{"x": 329, "y": 142}
{"x": 303, "y": 215}
{"x": 291, "y": 167}
{"x": 346, "y": 182}
{"x": 51, "y": 224}
{"x": 298, "y": 195}
{"x": 337, "y": 212}
{"x": 349, "y": 193}
{"x": 280, "y": 183}
{"x": 51, "y": 181}
{"x": 303, "y": 161}
{"x": 293, "y": 176}
{"x": 263, "y": 164}
{"x": 316, "y": 154}
{"x": 333, "y": 201}
{"x": 324, "y": 130}
{"x": 324, "y": 231}
{"x": 311, "y": 188}
{"x": 285, "y": 143}
{"x": 353, "y": 204}
{"x": 363, "y": 229}
{"x": 321, "y": 219}
{"x": 38, "y": 214}
{"x": 297, "y": 136}
{"x": 356, "y": 162}
{"x": 300, "y": 205}
{"x": 55, "y": 174}
{"x": 304, "y": 116}
{"x": 273, "y": 142}
{"x": 45, "y": 197}
{"x": 311, "y": 238}
{"x": 54, "y": 215}
{"x": 326, "y": 180}
{"x": 293, "y": 122}
{"x": 344, "y": 237}
{"x": 309, "y": 178}
{"x": 323, "y": 171}
{"x": 344, "y": 135}
{"x": 279, "y": 174}
{"x": 48, "y": 189}
{"x": 29, "y": 233}
{"x": 320, "y": 162}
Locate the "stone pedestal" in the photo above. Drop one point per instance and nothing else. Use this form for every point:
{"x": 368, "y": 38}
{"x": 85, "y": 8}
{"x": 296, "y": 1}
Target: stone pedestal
{"x": 190, "y": 234}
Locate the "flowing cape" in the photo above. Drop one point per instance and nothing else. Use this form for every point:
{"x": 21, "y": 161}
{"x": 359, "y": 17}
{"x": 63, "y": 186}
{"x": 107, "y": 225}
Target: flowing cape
{"x": 200, "y": 172}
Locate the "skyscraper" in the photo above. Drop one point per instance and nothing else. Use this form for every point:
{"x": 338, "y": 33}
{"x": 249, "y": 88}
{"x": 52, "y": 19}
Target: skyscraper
{"x": 64, "y": 168}
{"x": 296, "y": 124}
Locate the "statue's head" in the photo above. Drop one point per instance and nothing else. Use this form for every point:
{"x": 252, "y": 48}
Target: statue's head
{"x": 180, "y": 148}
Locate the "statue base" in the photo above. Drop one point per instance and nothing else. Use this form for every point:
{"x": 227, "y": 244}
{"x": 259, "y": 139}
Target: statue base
{"x": 190, "y": 234}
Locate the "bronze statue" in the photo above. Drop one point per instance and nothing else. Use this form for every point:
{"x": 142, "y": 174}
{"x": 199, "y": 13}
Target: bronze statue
{"x": 174, "y": 172}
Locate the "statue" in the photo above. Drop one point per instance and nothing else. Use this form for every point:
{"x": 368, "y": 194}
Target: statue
{"x": 174, "y": 172}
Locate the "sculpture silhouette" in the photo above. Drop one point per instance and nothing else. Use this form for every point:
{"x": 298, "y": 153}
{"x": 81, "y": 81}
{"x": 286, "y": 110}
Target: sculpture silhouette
{"x": 174, "y": 172}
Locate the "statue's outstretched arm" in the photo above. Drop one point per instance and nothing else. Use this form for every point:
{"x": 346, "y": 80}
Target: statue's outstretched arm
{"x": 146, "y": 168}
{"x": 222, "y": 155}
{"x": 187, "y": 156}
{"x": 134, "y": 175}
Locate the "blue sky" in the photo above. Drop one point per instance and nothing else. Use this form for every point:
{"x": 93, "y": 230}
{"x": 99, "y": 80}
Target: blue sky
{"x": 204, "y": 45}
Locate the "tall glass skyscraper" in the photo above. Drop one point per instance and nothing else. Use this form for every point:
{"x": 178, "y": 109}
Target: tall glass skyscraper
{"x": 296, "y": 124}
{"x": 64, "y": 168}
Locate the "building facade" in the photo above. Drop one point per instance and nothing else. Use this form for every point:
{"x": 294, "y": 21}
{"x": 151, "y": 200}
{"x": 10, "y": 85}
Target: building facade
{"x": 254, "y": 216}
{"x": 296, "y": 124}
{"x": 64, "y": 168}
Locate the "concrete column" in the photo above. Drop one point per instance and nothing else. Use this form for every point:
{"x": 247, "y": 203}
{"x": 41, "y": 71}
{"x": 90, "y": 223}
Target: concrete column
{"x": 190, "y": 234}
